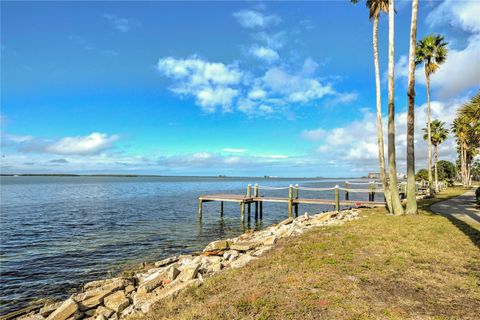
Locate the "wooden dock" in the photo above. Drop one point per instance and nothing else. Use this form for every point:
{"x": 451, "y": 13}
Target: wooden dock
{"x": 293, "y": 200}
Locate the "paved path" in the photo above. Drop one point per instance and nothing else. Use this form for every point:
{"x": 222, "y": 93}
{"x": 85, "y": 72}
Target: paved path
{"x": 461, "y": 207}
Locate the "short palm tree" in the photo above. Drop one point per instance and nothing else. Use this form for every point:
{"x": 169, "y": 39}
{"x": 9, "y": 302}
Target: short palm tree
{"x": 432, "y": 52}
{"x": 438, "y": 134}
{"x": 375, "y": 8}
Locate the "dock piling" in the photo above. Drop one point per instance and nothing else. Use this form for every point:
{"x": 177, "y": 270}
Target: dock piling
{"x": 296, "y": 197}
{"x": 290, "y": 201}
{"x": 200, "y": 207}
{"x": 242, "y": 210}
{"x": 337, "y": 199}
{"x": 255, "y": 194}
{"x": 347, "y": 194}
{"x": 221, "y": 208}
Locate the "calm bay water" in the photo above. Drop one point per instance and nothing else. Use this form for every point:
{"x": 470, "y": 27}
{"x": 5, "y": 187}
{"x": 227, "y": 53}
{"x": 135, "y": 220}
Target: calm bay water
{"x": 59, "y": 232}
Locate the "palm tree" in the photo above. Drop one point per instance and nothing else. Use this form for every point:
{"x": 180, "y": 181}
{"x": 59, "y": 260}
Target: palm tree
{"x": 466, "y": 128}
{"x": 375, "y": 7}
{"x": 438, "y": 134}
{"x": 411, "y": 194}
{"x": 392, "y": 162}
{"x": 432, "y": 52}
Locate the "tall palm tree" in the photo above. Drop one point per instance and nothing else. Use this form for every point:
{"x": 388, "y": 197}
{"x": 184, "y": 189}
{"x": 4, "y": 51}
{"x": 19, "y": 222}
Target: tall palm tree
{"x": 411, "y": 194}
{"x": 392, "y": 161}
{"x": 466, "y": 128}
{"x": 375, "y": 7}
{"x": 438, "y": 134}
{"x": 432, "y": 52}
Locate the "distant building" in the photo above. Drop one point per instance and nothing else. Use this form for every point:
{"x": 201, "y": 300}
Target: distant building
{"x": 373, "y": 175}
{"x": 401, "y": 175}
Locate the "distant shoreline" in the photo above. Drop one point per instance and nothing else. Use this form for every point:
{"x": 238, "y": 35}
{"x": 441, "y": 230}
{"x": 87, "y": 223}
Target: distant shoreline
{"x": 159, "y": 176}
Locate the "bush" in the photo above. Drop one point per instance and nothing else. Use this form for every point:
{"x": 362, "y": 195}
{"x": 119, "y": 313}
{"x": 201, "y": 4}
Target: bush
{"x": 422, "y": 174}
{"x": 446, "y": 170}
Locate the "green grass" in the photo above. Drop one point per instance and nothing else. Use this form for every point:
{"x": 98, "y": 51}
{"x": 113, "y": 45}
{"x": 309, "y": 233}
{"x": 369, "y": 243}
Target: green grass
{"x": 379, "y": 267}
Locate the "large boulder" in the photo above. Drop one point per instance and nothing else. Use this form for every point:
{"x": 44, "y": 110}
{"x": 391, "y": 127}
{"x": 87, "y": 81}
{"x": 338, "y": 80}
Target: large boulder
{"x": 218, "y": 245}
{"x": 244, "y": 246}
{"x": 166, "y": 262}
{"x": 242, "y": 261}
{"x": 68, "y": 308}
{"x": 117, "y": 301}
{"x": 189, "y": 272}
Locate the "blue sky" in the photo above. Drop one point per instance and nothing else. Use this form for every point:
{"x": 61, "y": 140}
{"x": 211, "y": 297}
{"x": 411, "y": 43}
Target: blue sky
{"x": 207, "y": 88}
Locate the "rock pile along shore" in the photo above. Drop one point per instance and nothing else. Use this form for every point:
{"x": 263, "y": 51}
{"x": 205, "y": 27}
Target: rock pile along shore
{"x": 118, "y": 298}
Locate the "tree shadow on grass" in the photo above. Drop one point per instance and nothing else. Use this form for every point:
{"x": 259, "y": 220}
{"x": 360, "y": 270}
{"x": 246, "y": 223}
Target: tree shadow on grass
{"x": 467, "y": 229}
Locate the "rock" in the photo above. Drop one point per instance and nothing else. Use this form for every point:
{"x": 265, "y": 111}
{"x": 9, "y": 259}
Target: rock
{"x": 214, "y": 267}
{"x": 90, "y": 312}
{"x": 101, "y": 317}
{"x": 244, "y": 246}
{"x": 270, "y": 240}
{"x": 242, "y": 261}
{"x": 172, "y": 273}
{"x": 67, "y": 308}
{"x": 189, "y": 272}
{"x": 49, "y": 308}
{"x": 152, "y": 281}
{"x": 233, "y": 255}
{"x": 226, "y": 255}
{"x": 166, "y": 261}
{"x": 36, "y": 316}
{"x": 116, "y": 301}
{"x": 170, "y": 291}
{"x": 216, "y": 246}
{"x": 128, "y": 310}
{"x": 129, "y": 289}
{"x": 285, "y": 222}
{"x": 93, "y": 298}
{"x": 261, "y": 251}
{"x": 104, "y": 311}
{"x": 118, "y": 283}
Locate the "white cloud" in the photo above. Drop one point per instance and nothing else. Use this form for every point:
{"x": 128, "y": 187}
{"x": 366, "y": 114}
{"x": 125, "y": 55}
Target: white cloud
{"x": 295, "y": 88}
{"x": 264, "y": 53}
{"x": 355, "y": 144}
{"x": 257, "y": 93}
{"x": 82, "y": 145}
{"x": 462, "y": 67}
{"x": 118, "y": 23}
{"x": 209, "y": 98}
{"x": 272, "y": 40}
{"x": 18, "y": 138}
{"x": 234, "y": 150}
{"x": 313, "y": 135}
{"x": 210, "y": 82}
{"x": 461, "y": 14}
{"x": 255, "y": 19}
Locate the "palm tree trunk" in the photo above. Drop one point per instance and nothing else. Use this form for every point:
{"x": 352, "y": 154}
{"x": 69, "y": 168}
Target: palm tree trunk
{"x": 429, "y": 136}
{"x": 392, "y": 162}
{"x": 435, "y": 154}
{"x": 411, "y": 194}
{"x": 381, "y": 152}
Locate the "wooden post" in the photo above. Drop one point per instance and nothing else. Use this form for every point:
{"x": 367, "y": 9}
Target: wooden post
{"x": 296, "y": 197}
{"x": 242, "y": 210}
{"x": 255, "y": 194}
{"x": 249, "y": 195}
{"x": 370, "y": 194}
{"x": 347, "y": 195}
{"x": 200, "y": 205}
{"x": 261, "y": 209}
{"x": 337, "y": 199}
{"x": 221, "y": 208}
{"x": 290, "y": 201}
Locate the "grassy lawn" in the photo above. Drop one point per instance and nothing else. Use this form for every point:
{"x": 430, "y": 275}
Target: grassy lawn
{"x": 379, "y": 267}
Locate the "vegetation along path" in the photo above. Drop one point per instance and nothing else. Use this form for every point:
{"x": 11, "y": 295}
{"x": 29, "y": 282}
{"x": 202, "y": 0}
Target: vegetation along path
{"x": 462, "y": 208}
{"x": 422, "y": 266}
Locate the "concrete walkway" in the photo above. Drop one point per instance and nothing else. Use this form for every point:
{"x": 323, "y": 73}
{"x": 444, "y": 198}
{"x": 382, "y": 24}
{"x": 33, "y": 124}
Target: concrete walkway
{"x": 462, "y": 208}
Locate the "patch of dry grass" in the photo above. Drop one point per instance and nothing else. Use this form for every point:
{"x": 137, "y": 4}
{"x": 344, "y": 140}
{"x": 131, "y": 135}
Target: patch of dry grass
{"x": 379, "y": 267}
